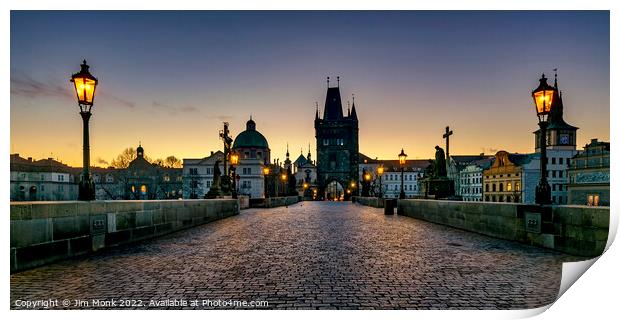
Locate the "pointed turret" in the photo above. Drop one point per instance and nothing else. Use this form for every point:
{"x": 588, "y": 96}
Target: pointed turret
{"x": 333, "y": 104}
{"x": 353, "y": 114}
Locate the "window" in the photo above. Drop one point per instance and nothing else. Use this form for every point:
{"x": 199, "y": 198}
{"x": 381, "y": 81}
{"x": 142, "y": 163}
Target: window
{"x": 560, "y": 173}
{"x": 553, "y": 187}
{"x": 109, "y": 178}
{"x": 501, "y": 187}
{"x": 209, "y": 171}
{"x": 567, "y": 161}
{"x": 166, "y": 178}
{"x": 552, "y": 160}
{"x": 593, "y": 199}
{"x": 560, "y": 197}
{"x": 561, "y": 160}
{"x": 494, "y": 189}
{"x": 61, "y": 177}
{"x": 194, "y": 184}
{"x": 193, "y": 171}
{"x": 559, "y": 187}
{"x": 553, "y": 199}
{"x": 553, "y": 173}
{"x": 61, "y": 187}
{"x": 517, "y": 186}
{"x": 508, "y": 186}
{"x": 42, "y": 177}
{"x": 208, "y": 183}
{"x": 325, "y": 142}
{"x": 486, "y": 188}
{"x": 42, "y": 187}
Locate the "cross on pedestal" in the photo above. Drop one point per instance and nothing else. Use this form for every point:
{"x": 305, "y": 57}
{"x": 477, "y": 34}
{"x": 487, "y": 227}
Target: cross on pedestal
{"x": 447, "y": 137}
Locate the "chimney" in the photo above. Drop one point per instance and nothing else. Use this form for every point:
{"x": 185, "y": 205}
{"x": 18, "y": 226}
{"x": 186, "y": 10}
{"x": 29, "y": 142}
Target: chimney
{"x": 594, "y": 140}
{"x": 482, "y": 154}
{"x": 29, "y": 159}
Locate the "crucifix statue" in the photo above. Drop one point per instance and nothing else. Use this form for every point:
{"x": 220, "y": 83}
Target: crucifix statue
{"x": 447, "y": 137}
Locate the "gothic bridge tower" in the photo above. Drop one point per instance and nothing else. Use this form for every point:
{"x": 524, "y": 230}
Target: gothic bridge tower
{"x": 337, "y": 146}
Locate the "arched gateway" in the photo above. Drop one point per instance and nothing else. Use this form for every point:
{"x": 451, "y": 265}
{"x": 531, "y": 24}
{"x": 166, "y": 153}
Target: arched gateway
{"x": 337, "y": 146}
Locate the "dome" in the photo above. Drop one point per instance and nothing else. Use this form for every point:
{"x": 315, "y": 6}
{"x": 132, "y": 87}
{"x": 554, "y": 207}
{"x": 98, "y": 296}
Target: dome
{"x": 250, "y": 138}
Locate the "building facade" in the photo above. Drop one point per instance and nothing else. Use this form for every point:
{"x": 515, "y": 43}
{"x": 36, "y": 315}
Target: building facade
{"x": 511, "y": 178}
{"x": 589, "y": 175}
{"x": 42, "y": 180}
{"x": 198, "y": 175}
{"x": 389, "y": 184}
{"x": 470, "y": 180}
{"x": 457, "y": 163}
{"x": 337, "y": 145}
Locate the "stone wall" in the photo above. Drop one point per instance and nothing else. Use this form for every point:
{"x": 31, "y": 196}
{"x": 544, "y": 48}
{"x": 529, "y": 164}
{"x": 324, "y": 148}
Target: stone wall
{"x": 369, "y": 201}
{"x": 43, "y": 232}
{"x": 577, "y": 230}
{"x": 280, "y": 201}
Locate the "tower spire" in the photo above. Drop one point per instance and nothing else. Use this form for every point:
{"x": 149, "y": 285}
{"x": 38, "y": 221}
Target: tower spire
{"x": 316, "y": 114}
{"x": 327, "y": 82}
{"x": 338, "y": 81}
{"x": 287, "y": 154}
{"x": 555, "y": 81}
{"x": 353, "y": 114}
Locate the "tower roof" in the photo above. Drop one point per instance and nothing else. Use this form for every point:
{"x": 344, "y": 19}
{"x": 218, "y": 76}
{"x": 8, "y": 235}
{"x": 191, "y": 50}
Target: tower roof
{"x": 333, "y": 105}
{"x": 556, "y": 116}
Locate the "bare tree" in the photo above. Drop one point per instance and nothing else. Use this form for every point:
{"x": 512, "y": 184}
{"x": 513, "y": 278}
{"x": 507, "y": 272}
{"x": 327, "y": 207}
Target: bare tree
{"x": 173, "y": 162}
{"x": 123, "y": 159}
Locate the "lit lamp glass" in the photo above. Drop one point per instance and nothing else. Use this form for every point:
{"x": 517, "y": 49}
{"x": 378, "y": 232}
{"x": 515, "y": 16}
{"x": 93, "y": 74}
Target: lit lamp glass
{"x": 402, "y": 157}
{"x": 266, "y": 171}
{"x": 367, "y": 177}
{"x": 543, "y": 98}
{"x": 380, "y": 170}
{"x": 305, "y": 185}
{"x": 283, "y": 176}
{"x": 85, "y": 85}
{"x": 234, "y": 158}
{"x": 352, "y": 184}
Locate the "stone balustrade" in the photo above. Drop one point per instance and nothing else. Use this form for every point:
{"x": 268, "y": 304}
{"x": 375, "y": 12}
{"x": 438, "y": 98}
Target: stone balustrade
{"x": 43, "y": 232}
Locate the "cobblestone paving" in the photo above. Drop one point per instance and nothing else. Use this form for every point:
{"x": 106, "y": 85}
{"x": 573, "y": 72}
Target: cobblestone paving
{"x": 310, "y": 256}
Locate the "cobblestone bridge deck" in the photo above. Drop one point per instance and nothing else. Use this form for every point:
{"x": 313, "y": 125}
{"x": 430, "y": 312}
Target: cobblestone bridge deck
{"x": 312, "y": 255}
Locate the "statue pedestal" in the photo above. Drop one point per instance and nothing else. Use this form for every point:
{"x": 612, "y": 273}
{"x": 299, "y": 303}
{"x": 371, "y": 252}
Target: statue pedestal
{"x": 440, "y": 188}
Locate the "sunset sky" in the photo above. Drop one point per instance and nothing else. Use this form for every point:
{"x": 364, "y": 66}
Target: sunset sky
{"x": 169, "y": 79}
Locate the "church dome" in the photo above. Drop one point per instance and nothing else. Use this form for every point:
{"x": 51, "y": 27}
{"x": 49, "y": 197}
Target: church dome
{"x": 250, "y": 138}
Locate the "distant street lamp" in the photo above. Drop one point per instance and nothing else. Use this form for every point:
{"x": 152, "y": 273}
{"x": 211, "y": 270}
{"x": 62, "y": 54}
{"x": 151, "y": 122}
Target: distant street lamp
{"x": 402, "y": 158}
{"x": 543, "y": 99}
{"x": 366, "y": 185}
{"x": 380, "y": 173}
{"x": 284, "y": 177}
{"x": 85, "y": 85}
{"x": 265, "y": 174}
{"x": 234, "y": 161}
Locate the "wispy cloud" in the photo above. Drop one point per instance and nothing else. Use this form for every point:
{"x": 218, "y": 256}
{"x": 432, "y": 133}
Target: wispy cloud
{"x": 102, "y": 161}
{"x": 25, "y": 86}
{"x": 174, "y": 110}
{"x": 221, "y": 117}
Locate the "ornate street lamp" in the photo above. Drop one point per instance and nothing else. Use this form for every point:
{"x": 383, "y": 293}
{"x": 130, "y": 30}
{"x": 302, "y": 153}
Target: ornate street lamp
{"x": 265, "y": 174}
{"x": 85, "y": 85}
{"x": 543, "y": 101}
{"x": 380, "y": 173}
{"x": 284, "y": 177}
{"x": 402, "y": 158}
{"x": 234, "y": 161}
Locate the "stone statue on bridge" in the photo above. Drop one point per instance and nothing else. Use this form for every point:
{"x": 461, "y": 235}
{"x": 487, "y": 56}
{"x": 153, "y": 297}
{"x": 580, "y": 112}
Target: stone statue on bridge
{"x": 216, "y": 189}
{"x": 440, "y": 163}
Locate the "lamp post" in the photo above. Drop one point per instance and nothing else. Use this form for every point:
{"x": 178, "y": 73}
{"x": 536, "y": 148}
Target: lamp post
{"x": 402, "y": 158}
{"x": 85, "y": 85}
{"x": 543, "y": 99}
{"x": 365, "y": 191}
{"x": 380, "y": 173}
{"x": 284, "y": 177}
{"x": 265, "y": 174}
{"x": 234, "y": 161}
